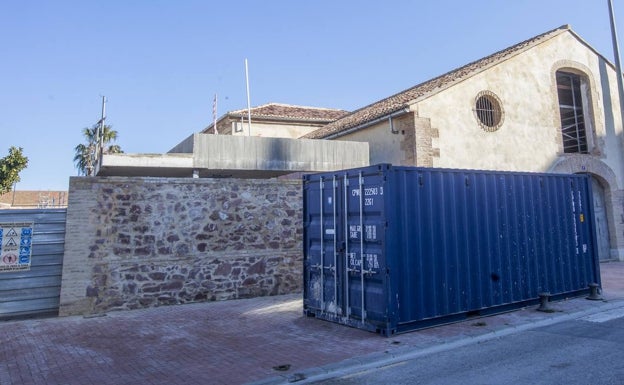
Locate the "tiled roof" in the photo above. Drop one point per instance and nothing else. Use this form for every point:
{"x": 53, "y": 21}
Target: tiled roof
{"x": 405, "y": 98}
{"x": 289, "y": 112}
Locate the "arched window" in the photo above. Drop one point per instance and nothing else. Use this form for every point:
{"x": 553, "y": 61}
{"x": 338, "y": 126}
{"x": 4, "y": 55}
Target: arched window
{"x": 569, "y": 91}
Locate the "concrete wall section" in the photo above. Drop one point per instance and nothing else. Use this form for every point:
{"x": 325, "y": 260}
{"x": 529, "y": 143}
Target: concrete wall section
{"x": 224, "y": 156}
{"x": 141, "y": 242}
{"x": 225, "y": 152}
{"x": 165, "y": 165}
{"x": 272, "y": 129}
{"x": 184, "y": 147}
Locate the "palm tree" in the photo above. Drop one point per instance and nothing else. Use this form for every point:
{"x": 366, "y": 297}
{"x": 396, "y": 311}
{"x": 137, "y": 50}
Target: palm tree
{"x": 85, "y": 153}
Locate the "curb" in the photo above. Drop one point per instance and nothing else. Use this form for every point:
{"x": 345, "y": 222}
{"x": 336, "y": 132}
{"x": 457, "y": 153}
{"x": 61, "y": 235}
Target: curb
{"x": 377, "y": 360}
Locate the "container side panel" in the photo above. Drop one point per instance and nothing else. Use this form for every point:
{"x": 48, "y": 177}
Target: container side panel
{"x": 475, "y": 240}
{"x": 397, "y": 248}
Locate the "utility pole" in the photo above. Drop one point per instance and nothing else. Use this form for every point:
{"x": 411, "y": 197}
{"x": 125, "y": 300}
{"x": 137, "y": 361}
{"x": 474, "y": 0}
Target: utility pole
{"x": 616, "y": 53}
{"x": 100, "y": 139}
{"x": 618, "y": 64}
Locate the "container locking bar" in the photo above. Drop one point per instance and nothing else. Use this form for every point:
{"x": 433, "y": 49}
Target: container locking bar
{"x": 361, "y": 185}
{"x": 322, "y": 219}
{"x": 346, "y": 249}
{"x": 333, "y": 268}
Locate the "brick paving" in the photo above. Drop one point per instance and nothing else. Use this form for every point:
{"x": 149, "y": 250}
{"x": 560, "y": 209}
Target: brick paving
{"x": 229, "y": 342}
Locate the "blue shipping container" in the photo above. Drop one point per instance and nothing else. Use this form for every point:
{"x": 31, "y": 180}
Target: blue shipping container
{"x": 392, "y": 249}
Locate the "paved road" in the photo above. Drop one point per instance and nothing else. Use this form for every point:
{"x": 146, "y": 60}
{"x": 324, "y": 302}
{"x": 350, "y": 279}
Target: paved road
{"x": 266, "y": 340}
{"x": 589, "y": 350}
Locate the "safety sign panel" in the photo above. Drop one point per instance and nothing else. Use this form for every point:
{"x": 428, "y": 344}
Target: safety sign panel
{"x": 15, "y": 246}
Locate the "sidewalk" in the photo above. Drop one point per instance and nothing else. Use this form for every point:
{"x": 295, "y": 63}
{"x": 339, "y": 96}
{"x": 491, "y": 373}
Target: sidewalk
{"x": 263, "y": 340}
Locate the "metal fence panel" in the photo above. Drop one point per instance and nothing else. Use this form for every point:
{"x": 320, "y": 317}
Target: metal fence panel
{"x": 35, "y": 292}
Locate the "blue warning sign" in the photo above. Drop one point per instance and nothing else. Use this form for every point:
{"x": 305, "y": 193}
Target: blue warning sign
{"x": 15, "y": 246}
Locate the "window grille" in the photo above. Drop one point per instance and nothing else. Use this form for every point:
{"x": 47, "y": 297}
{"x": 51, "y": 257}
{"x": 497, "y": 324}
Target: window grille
{"x": 489, "y": 111}
{"x": 571, "y": 111}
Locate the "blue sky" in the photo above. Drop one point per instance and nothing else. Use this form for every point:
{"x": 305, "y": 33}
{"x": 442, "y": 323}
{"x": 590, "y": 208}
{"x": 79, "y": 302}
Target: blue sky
{"x": 160, "y": 63}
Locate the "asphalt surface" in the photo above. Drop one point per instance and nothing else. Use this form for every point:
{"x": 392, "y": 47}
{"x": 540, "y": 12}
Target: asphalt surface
{"x": 262, "y": 340}
{"x": 586, "y": 350}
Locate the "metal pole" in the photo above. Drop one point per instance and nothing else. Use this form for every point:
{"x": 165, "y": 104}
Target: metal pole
{"x": 346, "y": 274}
{"x": 101, "y": 133}
{"x": 13, "y": 199}
{"x": 322, "y": 267}
{"x": 361, "y": 182}
{"x": 334, "y": 199}
{"x": 618, "y": 65}
{"x": 248, "y": 99}
{"x": 214, "y": 115}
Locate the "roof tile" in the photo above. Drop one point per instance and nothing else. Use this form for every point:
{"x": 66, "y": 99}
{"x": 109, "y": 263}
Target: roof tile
{"x": 276, "y": 110}
{"x": 402, "y": 99}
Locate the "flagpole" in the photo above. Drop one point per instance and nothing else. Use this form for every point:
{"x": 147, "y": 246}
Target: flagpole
{"x": 248, "y": 99}
{"x": 214, "y": 115}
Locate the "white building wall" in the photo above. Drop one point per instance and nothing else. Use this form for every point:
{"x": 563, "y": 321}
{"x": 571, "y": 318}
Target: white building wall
{"x": 529, "y": 138}
{"x": 384, "y": 146}
{"x": 445, "y": 131}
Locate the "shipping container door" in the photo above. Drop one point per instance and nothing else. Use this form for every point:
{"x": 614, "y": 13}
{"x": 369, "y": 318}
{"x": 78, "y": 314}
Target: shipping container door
{"x": 344, "y": 262}
{"x": 323, "y": 264}
{"x": 585, "y": 268}
{"x": 364, "y": 250}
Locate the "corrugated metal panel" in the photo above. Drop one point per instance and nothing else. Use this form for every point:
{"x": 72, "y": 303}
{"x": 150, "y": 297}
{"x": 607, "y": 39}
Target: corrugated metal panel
{"x": 35, "y": 292}
{"x": 439, "y": 244}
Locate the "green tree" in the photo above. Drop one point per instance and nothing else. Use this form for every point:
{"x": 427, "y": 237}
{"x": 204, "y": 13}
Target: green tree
{"x": 85, "y": 152}
{"x": 10, "y": 167}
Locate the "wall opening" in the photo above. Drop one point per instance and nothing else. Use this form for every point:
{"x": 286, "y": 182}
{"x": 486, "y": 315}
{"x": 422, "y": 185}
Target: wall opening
{"x": 571, "y": 101}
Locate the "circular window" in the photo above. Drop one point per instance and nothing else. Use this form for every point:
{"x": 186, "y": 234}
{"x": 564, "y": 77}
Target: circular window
{"x": 489, "y": 111}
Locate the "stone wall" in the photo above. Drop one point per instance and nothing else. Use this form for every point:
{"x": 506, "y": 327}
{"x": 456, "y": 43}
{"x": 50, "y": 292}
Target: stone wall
{"x": 142, "y": 242}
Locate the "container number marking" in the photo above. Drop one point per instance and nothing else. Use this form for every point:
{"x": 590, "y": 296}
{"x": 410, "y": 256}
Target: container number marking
{"x": 371, "y": 232}
{"x": 368, "y": 191}
{"x": 372, "y": 261}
